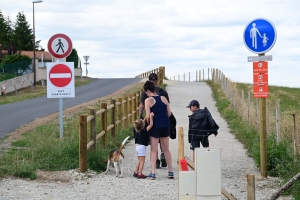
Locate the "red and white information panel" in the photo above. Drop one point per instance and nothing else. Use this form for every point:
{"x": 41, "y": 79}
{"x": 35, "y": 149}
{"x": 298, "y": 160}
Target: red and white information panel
{"x": 260, "y": 80}
{"x": 60, "y": 80}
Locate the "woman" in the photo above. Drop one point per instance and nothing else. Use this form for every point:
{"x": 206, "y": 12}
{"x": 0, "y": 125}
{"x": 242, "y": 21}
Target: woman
{"x": 159, "y": 105}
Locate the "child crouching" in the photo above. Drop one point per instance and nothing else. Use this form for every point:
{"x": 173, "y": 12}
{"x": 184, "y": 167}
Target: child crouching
{"x": 142, "y": 142}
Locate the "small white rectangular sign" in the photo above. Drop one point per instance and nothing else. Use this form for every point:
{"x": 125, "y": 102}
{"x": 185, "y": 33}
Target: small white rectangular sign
{"x": 61, "y": 93}
{"x": 259, "y": 58}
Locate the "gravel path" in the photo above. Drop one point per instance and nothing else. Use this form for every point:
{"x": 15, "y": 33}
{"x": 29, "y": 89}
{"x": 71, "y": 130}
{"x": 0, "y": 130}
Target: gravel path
{"x": 235, "y": 165}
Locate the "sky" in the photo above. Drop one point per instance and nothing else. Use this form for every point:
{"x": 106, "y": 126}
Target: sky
{"x": 127, "y": 38}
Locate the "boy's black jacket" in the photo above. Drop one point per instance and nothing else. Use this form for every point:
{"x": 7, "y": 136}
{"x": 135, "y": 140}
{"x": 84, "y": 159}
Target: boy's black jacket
{"x": 172, "y": 126}
{"x": 201, "y": 124}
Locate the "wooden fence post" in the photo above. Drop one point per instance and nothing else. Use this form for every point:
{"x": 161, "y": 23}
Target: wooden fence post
{"x": 126, "y": 112}
{"x": 296, "y": 137}
{"x": 104, "y": 124}
{"x": 263, "y": 137}
{"x": 120, "y": 112}
{"x": 242, "y": 104}
{"x": 137, "y": 102}
{"x": 200, "y": 75}
{"x": 207, "y": 73}
{"x": 133, "y": 107}
{"x": 164, "y": 71}
{"x": 250, "y": 187}
{"x": 180, "y": 146}
{"x": 233, "y": 97}
{"x": 249, "y": 107}
{"x": 256, "y": 112}
{"x": 113, "y": 118}
{"x": 278, "y": 120}
{"x": 83, "y": 143}
{"x": 93, "y": 129}
{"x": 129, "y": 110}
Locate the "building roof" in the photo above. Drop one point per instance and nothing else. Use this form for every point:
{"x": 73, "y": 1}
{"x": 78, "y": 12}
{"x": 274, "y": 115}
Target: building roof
{"x": 38, "y": 54}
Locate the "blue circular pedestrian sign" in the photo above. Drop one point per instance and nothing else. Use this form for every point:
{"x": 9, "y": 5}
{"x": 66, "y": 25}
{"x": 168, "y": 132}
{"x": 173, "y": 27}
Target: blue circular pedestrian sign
{"x": 260, "y": 36}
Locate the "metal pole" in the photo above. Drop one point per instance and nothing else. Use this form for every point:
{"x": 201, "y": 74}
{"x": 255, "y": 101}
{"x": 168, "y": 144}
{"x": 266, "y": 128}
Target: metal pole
{"x": 86, "y": 69}
{"x": 34, "y": 80}
{"x": 61, "y": 117}
{"x": 61, "y": 112}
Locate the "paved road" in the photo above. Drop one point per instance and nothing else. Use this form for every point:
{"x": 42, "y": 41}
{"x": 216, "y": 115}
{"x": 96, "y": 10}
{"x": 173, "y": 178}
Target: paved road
{"x": 14, "y": 115}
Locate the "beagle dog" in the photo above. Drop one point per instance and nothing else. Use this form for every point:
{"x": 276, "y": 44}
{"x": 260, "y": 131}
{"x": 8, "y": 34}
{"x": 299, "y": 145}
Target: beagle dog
{"x": 116, "y": 156}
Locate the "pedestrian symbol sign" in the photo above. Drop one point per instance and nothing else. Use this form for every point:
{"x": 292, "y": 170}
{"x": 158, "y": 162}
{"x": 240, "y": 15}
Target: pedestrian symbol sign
{"x": 260, "y": 36}
{"x": 60, "y": 45}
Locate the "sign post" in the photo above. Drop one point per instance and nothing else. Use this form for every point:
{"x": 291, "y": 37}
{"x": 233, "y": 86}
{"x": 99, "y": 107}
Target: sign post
{"x": 60, "y": 74}
{"x": 86, "y": 58}
{"x": 3, "y": 90}
{"x": 259, "y": 37}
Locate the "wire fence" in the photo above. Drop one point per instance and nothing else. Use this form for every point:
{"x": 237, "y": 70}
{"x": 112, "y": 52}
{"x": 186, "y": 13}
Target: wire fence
{"x": 15, "y": 69}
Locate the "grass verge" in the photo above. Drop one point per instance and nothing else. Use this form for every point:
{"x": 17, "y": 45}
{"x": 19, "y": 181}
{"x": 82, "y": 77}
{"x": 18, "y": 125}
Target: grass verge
{"x": 44, "y": 149}
{"x": 280, "y": 159}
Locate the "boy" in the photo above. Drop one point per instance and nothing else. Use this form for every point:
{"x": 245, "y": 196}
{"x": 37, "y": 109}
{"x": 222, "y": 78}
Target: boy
{"x": 201, "y": 125}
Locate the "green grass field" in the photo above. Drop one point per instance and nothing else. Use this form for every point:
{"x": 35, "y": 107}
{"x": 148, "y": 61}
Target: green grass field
{"x": 281, "y": 160}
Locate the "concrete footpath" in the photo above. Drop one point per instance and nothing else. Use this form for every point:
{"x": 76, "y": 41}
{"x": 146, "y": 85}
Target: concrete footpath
{"x": 235, "y": 164}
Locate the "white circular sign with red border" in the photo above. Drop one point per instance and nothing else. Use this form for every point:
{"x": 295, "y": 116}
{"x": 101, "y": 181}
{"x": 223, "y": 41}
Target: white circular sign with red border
{"x": 60, "y": 75}
{"x": 60, "y": 45}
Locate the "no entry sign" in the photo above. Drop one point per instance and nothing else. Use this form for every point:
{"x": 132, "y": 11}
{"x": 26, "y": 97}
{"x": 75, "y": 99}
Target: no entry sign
{"x": 60, "y": 82}
{"x": 60, "y": 75}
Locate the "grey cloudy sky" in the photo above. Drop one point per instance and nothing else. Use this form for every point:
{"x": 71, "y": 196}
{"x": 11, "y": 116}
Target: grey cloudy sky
{"x": 126, "y": 38}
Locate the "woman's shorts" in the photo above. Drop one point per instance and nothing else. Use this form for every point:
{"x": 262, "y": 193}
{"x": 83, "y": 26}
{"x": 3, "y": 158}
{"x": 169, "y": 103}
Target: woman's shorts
{"x": 140, "y": 150}
{"x": 159, "y": 132}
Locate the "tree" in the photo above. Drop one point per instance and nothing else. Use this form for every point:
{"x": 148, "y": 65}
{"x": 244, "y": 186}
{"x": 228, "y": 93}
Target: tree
{"x": 23, "y": 34}
{"x": 8, "y": 45}
{"x": 3, "y": 33}
{"x": 73, "y": 57}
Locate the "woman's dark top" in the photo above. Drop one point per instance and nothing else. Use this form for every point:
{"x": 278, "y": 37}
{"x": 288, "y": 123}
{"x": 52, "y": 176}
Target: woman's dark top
{"x": 160, "y": 119}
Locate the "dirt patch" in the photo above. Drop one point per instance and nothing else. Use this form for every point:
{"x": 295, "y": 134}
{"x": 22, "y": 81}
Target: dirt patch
{"x": 17, "y": 135}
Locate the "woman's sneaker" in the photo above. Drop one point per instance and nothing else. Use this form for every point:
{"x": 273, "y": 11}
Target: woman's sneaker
{"x": 135, "y": 174}
{"x": 171, "y": 175}
{"x": 151, "y": 176}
